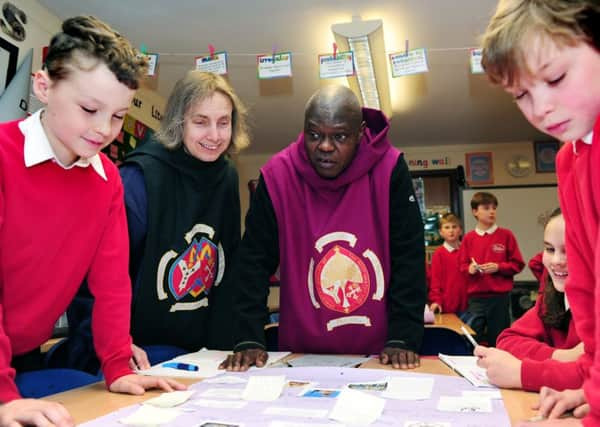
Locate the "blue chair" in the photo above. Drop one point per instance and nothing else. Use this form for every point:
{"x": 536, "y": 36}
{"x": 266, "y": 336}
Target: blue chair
{"x": 444, "y": 340}
{"x": 37, "y": 384}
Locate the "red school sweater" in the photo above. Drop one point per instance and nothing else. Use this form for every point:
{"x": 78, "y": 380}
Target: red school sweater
{"x": 58, "y": 226}
{"x": 448, "y": 285}
{"x": 533, "y": 342}
{"x": 577, "y": 167}
{"x": 500, "y": 247}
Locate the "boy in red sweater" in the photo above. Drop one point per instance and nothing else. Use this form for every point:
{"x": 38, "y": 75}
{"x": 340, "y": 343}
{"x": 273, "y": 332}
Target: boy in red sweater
{"x": 62, "y": 216}
{"x": 447, "y": 286}
{"x": 547, "y": 55}
{"x": 490, "y": 257}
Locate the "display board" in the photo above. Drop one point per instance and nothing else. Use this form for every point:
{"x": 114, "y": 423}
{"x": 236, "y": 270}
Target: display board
{"x": 520, "y": 209}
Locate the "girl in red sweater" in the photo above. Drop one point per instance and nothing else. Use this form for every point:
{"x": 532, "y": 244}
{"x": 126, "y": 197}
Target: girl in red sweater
{"x": 541, "y": 348}
{"x": 546, "y": 53}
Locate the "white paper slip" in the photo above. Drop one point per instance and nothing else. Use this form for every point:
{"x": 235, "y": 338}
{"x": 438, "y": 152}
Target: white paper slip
{"x": 355, "y": 408}
{"x": 219, "y": 404}
{"x": 218, "y": 423}
{"x": 464, "y": 404}
{"x": 426, "y": 424}
{"x": 168, "y": 400}
{"x": 296, "y": 412}
{"x": 223, "y": 393}
{"x": 225, "y": 379}
{"x": 264, "y": 388}
{"x": 278, "y": 423}
{"x": 486, "y": 394}
{"x": 408, "y": 388}
{"x": 466, "y": 366}
{"x": 149, "y": 415}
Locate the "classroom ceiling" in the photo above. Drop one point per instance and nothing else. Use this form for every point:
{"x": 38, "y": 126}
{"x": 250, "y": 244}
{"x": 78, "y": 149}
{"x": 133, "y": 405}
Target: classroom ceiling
{"x": 448, "y": 105}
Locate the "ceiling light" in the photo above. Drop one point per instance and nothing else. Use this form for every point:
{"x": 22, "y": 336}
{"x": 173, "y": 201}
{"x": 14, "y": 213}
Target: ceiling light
{"x": 365, "y": 39}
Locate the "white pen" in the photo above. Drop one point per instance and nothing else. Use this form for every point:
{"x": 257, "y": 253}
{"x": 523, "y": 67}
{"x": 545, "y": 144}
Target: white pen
{"x": 469, "y": 336}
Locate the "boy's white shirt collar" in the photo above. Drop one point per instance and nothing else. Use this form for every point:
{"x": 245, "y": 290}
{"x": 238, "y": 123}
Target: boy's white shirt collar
{"x": 488, "y": 231}
{"x": 586, "y": 140}
{"x": 449, "y": 248}
{"x": 567, "y": 305}
{"x": 37, "y": 148}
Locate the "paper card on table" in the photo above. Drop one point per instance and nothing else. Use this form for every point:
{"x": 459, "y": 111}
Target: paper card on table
{"x": 297, "y": 384}
{"x": 207, "y": 361}
{"x": 408, "y": 388}
{"x": 217, "y": 423}
{"x": 274, "y": 357}
{"x": 168, "y": 400}
{"x": 467, "y": 367}
{"x": 320, "y": 392}
{"x": 223, "y": 393}
{"x": 368, "y": 386}
{"x": 213, "y": 64}
{"x": 264, "y": 388}
{"x": 486, "y": 394}
{"x": 220, "y": 404}
{"x": 296, "y": 412}
{"x": 275, "y": 65}
{"x": 226, "y": 379}
{"x": 339, "y": 65}
{"x": 150, "y": 416}
{"x": 464, "y": 404}
{"x": 355, "y": 408}
{"x": 411, "y": 62}
{"x": 314, "y": 360}
{"x": 426, "y": 424}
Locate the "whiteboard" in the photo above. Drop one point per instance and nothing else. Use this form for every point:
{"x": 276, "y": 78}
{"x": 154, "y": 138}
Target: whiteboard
{"x": 520, "y": 209}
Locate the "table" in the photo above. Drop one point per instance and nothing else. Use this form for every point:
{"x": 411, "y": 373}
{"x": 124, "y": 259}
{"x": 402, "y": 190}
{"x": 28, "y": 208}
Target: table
{"x": 449, "y": 321}
{"x": 93, "y": 401}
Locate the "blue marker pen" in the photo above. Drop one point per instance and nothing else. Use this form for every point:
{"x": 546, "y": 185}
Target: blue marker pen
{"x": 182, "y": 366}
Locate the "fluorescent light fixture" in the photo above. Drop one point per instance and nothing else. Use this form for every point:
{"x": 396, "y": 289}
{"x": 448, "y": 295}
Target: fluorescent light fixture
{"x": 365, "y": 39}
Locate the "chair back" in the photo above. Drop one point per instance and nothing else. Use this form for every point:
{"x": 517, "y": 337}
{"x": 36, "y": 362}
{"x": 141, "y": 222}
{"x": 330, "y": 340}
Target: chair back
{"x": 444, "y": 340}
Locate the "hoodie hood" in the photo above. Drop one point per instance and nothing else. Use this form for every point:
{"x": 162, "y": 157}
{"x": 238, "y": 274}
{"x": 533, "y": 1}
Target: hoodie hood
{"x": 209, "y": 173}
{"x": 372, "y": 147}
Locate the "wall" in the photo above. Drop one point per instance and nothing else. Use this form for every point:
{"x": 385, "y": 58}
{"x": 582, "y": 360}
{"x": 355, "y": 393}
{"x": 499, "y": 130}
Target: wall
{"x": 451, "y": 156}
{"x": 41, "y": 26}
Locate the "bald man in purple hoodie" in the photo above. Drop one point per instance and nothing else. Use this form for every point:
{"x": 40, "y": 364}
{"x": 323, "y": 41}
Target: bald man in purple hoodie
{"x": 337, "y": 212}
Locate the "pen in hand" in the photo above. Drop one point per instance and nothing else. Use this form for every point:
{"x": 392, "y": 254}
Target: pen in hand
{"x": 477, "y": 266}
{"x": 469, "y": 336}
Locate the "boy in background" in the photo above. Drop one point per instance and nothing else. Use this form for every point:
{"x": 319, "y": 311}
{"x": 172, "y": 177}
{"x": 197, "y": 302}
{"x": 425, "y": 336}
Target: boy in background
{"x": 490, "y": 257}
{"x": 447, "y": 285}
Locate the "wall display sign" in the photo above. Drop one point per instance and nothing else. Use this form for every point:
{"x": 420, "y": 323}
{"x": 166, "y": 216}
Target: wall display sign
{"x": 475, "y": 59}
{"x": 406, "y": 63}
{"x": 152, "y": 63}
{"x": 480, "y": 170}
{"x": 336, "y": 65}
{"x": 216, "y": 63}
{"x": 274, "y": 66}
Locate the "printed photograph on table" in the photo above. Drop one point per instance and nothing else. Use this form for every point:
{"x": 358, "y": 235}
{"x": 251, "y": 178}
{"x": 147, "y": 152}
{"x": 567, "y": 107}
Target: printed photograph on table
{"x": 545, "y": 155}
{"x": 480, "y": 170}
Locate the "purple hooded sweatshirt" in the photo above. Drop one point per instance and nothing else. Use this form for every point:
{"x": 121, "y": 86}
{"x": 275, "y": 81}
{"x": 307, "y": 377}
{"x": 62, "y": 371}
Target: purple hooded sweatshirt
{"x": 334, "y": 245}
